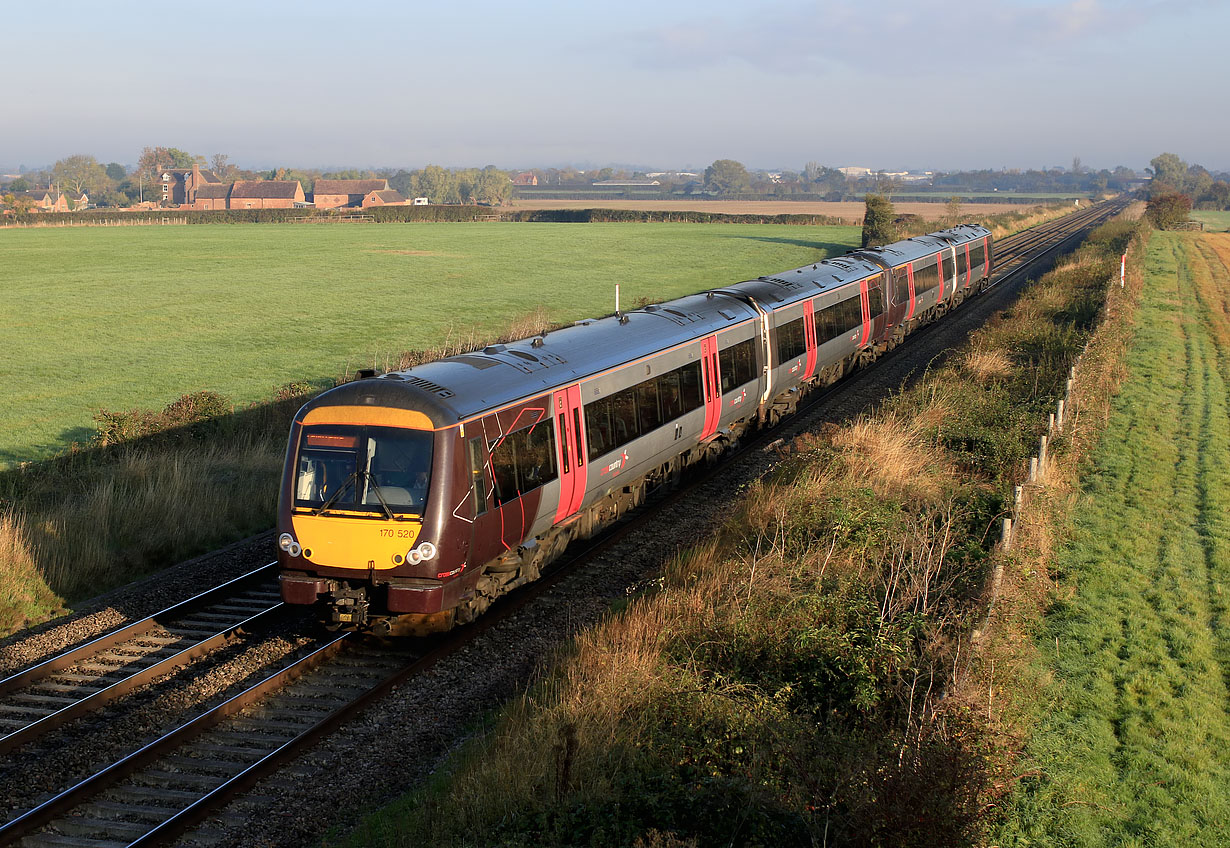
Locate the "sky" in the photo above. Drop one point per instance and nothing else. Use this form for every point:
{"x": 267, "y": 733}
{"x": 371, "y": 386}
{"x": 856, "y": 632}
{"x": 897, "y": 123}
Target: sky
{"x": 671, "y": 84}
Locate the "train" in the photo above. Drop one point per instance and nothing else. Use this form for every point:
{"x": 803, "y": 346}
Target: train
{"x": 419, "y": 496}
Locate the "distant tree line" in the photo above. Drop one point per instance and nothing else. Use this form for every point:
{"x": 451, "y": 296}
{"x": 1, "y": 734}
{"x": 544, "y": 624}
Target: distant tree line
{"x": 113, "y": 185}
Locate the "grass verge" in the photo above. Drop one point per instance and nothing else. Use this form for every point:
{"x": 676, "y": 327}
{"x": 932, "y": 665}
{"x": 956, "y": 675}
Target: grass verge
{"x": 805, "y": 677}
{"x": 1125, "y": 691}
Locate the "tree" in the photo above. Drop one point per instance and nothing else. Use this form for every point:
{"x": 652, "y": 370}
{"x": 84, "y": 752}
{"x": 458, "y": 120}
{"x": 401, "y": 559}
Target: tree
{"x": 1168, "y": 209}
{"x": 952, "y": 210}
{"x": 878, "y": 227}
{"x": 437, "y": 185}
{"x": 116, "y": 172}
{"x": 80, "y": 173}
{"x": 156, "y": 159}
{"x": 221, "y": 165}
{"x": 492, "y": 186}
{"x": 1077, "y": 167}
{"x": 1169, "y": 173}
{"x": 19, "y": 184}
{"x": 726, "y": 176}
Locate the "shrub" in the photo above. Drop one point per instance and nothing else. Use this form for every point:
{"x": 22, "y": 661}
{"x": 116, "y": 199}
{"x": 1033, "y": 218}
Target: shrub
{"x": 1166, "y": 210}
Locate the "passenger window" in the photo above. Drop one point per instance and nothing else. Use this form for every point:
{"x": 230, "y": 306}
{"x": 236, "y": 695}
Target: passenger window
{"x": 875, "y": 298}
{"x": 689, "y": 386}
{"x": 614, "y": 421}
{"x": 925, "y": 278}
{"x": 737, "y": 364}
{"x": 948, "y": 266}
{"x": 961, "y": 259}
{"x": 839, "y": 319}
{"x": 901, "y": 285}
{"x": 791, "y": 342}
{"x": 647, "y": 411}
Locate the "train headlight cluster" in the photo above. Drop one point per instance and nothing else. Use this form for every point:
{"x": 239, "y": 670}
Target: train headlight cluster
{"x": 423, "y": 553}
{"x": 287, "y": 543}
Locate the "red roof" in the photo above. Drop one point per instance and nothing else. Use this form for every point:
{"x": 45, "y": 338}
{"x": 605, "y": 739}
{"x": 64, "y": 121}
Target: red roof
{"x": 268, "y": 189}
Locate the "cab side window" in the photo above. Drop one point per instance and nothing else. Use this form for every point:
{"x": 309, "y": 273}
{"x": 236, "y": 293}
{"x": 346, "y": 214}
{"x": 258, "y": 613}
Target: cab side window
{"x": 522, "y": 461}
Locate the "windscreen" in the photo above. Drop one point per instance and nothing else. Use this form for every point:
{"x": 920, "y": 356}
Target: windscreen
{"x": 378, "y": 470}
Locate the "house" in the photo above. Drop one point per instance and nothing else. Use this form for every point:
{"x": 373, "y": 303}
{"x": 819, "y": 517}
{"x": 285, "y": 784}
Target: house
{"x": 266, "y": 194}
{"x": 633, "y": 183}
{"x": 527, "y": 178}
{"x": 53, "y": 200}
{"x": 334, "y": 194}
{"x": 388, "y": 197}
{"x": 180, "y": 185}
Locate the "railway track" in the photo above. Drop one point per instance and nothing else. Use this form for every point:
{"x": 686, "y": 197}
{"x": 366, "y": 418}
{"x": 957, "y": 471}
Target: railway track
{"x": 188, "y": 773}
{"x": 79, "y": 681}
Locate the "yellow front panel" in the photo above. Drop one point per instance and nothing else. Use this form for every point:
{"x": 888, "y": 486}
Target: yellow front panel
{"x": 338, "y": 542}
{"x": 379, "y": 416}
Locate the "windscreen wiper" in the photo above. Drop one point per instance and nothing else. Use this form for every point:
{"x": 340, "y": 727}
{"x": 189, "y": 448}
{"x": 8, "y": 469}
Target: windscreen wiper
{"x": 337, "y": 494}
{"x": 370, "y": 479}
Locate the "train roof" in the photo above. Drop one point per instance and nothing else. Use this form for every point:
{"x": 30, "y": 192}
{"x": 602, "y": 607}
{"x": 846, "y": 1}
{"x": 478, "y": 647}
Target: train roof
{"x": 460, "y": 387}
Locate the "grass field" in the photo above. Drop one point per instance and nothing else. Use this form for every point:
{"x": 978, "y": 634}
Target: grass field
{"x": 1216, "y": 222}
{"x": 137, "y": 316}
{"x": 1133, "y": 747}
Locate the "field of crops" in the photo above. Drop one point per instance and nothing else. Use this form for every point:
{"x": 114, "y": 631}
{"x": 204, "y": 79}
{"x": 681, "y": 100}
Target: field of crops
{"x": 118, "y": 318}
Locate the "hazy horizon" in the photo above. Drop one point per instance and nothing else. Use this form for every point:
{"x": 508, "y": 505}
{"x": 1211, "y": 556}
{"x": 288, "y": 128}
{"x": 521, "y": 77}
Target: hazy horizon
{"x": 934, "y": 85}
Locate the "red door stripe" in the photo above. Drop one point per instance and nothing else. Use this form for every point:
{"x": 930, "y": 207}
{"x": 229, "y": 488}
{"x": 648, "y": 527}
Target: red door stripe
{"x": 809, "y": 336}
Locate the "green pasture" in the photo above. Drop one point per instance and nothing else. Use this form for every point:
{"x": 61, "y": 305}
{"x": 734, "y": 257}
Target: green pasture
{"x": 128, "y": 317}
{"x": 1133, "y": 747}
{"x": 1216, "y": 222}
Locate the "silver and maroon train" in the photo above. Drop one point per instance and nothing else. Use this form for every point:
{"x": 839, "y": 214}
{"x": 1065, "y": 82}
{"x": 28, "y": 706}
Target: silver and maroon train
{"x": 429, "y": 492}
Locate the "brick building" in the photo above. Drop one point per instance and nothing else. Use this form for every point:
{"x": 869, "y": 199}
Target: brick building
{"x": 266, "y": 194}
{"x": 180, "y": 185}
{"x": 211, "y": 196}
{"x": 334, "y": 194}
{"x": 388, "y": 197}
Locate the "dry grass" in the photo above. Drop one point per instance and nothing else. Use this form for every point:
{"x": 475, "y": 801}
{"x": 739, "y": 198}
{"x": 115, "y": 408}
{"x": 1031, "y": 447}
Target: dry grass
{"x": 988, "y": 365}
{"x": 145, "y": 509}
{"x": 28, "y": 597}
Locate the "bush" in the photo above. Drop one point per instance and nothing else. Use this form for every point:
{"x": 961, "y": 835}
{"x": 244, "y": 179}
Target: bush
{"x": 118, "y": 427}
{"x": 1166, "y": 210}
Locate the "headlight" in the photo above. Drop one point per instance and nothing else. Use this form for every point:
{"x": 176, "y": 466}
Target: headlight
{"x": 426, "y": 551}
{"x": 413, "y": 557}
{"x": 294, "y": 549}
{"x": 285, "y": 541}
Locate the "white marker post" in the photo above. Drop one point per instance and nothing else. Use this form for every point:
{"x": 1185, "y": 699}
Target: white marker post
{"x": 617, "y": 298}
{"x": 1122, "y": 269}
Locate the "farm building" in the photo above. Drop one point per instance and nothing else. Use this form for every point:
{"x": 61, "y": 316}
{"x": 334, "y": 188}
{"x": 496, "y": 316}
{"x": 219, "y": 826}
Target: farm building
{"x": 334, "y": 194}
{"x": 388, "y": 197}
{"x": 266, "y": 194}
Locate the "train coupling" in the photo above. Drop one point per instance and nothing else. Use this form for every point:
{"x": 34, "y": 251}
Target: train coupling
{"x": 348, "y": 607}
